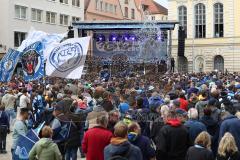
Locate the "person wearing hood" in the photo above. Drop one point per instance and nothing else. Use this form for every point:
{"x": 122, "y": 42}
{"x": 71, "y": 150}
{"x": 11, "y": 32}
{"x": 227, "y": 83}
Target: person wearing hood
{"x": 194, "y": 126}
{"x": 202, "y": 103}
{"x": 173, "y": 139}
{"x": 120, "y": 147}
{"x": 230, "y": 124}
{"x": 45, "y": 148}
{"x": 143, "y": 142}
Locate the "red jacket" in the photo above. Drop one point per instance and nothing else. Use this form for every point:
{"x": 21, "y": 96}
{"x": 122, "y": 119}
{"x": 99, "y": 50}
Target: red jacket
{"x": 94, "y": 142}
{"x": 183, "y": 104}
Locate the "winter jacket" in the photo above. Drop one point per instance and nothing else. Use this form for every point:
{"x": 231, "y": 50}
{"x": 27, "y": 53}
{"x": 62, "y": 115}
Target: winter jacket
{"x": 231, "y": 124}
{"x": 156, "y": 127}
{"x": 194, "y": 128}
{"x": 183, "y": 104}
{"x": 94, "y": 142}
{"x": 200, "y": 107}
{"x": 45, "y": 149}
{"x": 172, "y": 141}
{"x": 199, "y": 153}
{"x": 213, "y": 130}
{"x": 4, "y": 120}
{"x": 144, "y": 144}
{"x": 234, "y": 156}
{"x": 121, "y": 147}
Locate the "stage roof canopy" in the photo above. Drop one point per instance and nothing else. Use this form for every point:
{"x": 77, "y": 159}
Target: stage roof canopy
{"x": 119, "y": 25}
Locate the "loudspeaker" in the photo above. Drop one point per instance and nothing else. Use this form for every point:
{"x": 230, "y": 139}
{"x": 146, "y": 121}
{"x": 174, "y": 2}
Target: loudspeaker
{"x": 181, "y": 41}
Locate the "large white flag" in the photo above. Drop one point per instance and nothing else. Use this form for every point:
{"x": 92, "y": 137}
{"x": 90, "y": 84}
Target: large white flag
{"x": 67, "y": 59}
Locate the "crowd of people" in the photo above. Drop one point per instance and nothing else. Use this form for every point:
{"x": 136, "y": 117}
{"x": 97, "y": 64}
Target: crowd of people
{"x": 168, "y": 117}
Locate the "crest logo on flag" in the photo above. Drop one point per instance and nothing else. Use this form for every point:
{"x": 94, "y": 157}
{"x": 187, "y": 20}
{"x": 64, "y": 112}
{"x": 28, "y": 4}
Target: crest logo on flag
{"x": 8, "y": 64}
{"x": 33, "y": 62}
{"x": 66, "y": 57}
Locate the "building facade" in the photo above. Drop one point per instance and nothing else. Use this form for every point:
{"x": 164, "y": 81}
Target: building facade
{"x": 212, "y": 34}
{"x": 51, "y": 16}
{"x": 131, "y": 10}
{"x": 103, "y": 10}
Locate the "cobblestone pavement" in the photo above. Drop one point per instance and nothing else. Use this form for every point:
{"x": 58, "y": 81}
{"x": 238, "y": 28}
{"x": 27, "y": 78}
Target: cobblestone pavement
{"x": 8, "y": 156}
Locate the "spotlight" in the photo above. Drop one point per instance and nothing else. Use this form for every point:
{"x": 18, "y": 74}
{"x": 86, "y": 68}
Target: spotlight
{"x": 100, "y": 38}
{"x": 126, "y": 37}
{"x": 113, "y": 37}
{"x": 132, "y": 37}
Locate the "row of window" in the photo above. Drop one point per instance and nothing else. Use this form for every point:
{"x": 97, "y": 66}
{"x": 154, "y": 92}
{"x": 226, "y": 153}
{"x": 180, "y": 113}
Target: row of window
{"x": 37, "y": 15}
{"x": 105, "y": 7}
{"x": 200, "y": 20}
{"x": 132, "y": 13}
{"x": 74, "y": 2}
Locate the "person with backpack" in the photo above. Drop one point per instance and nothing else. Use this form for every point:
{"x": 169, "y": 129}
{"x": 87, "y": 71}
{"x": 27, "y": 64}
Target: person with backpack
{"x": 120, "y": 148}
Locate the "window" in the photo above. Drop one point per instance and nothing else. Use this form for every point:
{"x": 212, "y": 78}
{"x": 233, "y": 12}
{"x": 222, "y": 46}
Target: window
{"x": 101, "y": 5}
{"x": 63, "y": 1}
{"x": 20, "y": 12}
{"x": 76, "y": 19}
{"x": 200, "y": 21}
{"x": 153, "y": 18}
{"x": 115, "y": 9}
{"x": 76, "y": 3}
{"x": 96, "y": 4}
{"x": 63, "y": 19}
{"x": 36, "y": 15}
{"x": 182, "y": 18}
{"x": 18, "y": 38}
{"x": 218, "y": 20}
{"x": 111, "y": 8}
{"x": 126, "y": 12}
{"x": 106, "y": 7}
{"x": 51, "y": 17}
{"x": 126, "y": 2}
{"x": 133, "y": 14}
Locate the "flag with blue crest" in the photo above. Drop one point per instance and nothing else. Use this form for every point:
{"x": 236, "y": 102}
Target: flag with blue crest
{"x": 8, "y": 65}
{"x": 33, "y": 62}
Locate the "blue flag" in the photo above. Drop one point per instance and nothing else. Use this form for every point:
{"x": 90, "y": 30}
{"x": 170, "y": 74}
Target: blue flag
{"x": 8, "y": 65}
{"x": 33, "y": 62}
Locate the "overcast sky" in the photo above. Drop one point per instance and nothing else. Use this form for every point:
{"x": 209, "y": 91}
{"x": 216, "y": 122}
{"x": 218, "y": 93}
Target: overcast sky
{"x": 163, "y": 2}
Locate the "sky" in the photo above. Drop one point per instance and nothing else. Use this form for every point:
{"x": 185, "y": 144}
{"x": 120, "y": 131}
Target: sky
{"x": 163, "y": 2}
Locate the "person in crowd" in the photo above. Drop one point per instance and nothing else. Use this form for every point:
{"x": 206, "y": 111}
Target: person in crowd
{"x": 183, "y": 101}
{"x": 45, "y": 148}
{"x": 93, "y": 144}
{"x": 120, "y": 147}
{"x": 106, "y": 103}
{"x": 39, "y": 105}
{"x": 24, "y": 99}
{"x": 230, "y": 124}
{"x": 172, "y": 140}
{"x": 113, "y": 118}
{"x": 8, "y": 101}
{"x": 228, "y": 149}
{"x": 202, "y": 148}
{"x": 123, "y": 106}
{"x": 202, "y": 103}
{"x": 194, "y": 126}
{"x": 4, "y": 129}
{"x": 143, "y": 142}
{"x": 19, "y": 128}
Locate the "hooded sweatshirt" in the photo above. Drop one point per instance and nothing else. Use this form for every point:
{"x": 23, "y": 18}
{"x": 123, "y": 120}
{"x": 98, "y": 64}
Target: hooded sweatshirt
{"x": 172, "y": 141}
{"x": 45, "y": 149}
{"x": 121, "y": 147}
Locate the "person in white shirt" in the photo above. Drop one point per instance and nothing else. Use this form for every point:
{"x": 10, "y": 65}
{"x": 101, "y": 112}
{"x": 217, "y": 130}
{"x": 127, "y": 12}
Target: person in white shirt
{"x": 24, "y": 99}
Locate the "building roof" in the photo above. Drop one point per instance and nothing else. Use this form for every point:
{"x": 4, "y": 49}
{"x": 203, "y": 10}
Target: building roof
{"x": 154, "y": 7}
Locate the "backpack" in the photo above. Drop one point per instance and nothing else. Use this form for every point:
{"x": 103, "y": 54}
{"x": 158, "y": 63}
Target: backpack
{"x": 122, "y": 157}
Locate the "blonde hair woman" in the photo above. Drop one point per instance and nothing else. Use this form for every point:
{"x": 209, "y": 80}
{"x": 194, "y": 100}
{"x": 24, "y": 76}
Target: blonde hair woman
{"x": 201, "y": 150}
{"x": 227, "y": 149}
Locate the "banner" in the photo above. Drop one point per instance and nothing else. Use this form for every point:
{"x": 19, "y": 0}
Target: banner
{"x": 45, "y": 38}
{"x": 67, "y": 59}
{"x": 8, "y": 65}
{"x": 33, "y": 62}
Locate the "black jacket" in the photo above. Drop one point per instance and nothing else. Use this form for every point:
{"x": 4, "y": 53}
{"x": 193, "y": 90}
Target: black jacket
{"x": 172, "y": 141}
{"x": 199, "y": 153}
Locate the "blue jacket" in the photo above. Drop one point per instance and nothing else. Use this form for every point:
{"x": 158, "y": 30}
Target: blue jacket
{"x": 144, "y": 144}
{"x": 231, "y": 124}
{"x": 194, "y": 128}
{"x": 122, "y": 149}
{"x": 4, "y": 119}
